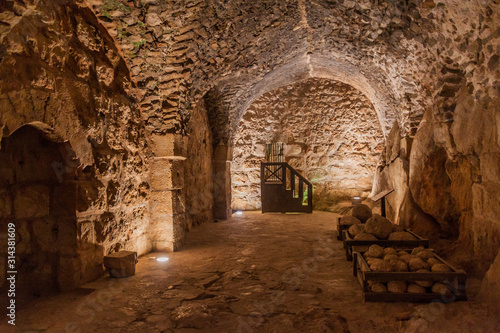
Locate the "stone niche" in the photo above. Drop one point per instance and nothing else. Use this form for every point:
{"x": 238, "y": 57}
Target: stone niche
{"x": 38, "y": 195}
{"x": 332, "y": 136}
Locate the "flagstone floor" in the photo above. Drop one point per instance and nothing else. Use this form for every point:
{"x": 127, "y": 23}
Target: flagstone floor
{"x": 253, "y": 273}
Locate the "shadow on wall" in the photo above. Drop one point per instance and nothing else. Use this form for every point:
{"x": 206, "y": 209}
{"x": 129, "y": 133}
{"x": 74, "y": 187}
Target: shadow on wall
{"x": 38, "y": 198}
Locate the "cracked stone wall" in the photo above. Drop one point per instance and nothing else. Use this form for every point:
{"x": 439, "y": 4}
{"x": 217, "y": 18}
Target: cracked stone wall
{"x": 332, "y": 136}
{"x": 62, "y": 74}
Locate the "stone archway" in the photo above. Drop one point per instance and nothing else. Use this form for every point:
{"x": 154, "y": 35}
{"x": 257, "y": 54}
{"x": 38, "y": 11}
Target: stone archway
{"x": 332, "y": 134}
{"x": 37, "y": 187}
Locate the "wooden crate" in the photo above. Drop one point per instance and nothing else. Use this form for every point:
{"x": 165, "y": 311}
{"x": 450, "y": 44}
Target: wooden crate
{"x": 398, "y": 244}
{"x": 455, "y": 279}
{"x": 340, "y": 229}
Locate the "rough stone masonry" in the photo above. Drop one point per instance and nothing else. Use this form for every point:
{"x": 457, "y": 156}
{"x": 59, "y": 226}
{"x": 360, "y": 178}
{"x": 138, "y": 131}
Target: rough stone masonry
{"x": 147, "y": 93}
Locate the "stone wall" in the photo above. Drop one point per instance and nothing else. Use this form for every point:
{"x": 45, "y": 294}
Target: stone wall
{"x": 62, "y": 73}
{"x": 448, "y": 183}
{"x": 332, "y": 136}
{"x": 68, "y": 67}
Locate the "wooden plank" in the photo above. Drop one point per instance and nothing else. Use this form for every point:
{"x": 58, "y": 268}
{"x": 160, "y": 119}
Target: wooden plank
{"x": 365, "y": 274}
{"x": 413, "y": 298}
{"x": 382, "y": 194}
{"x": 354, "y": 266}
{"x": 447, "y": 263}
{"x": 340, "y": 228}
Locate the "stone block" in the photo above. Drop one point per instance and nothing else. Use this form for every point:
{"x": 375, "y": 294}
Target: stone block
{"x": 67, "y": 234}
{"x": 161, "y": 228}
{"x": 91, "y": 263}
{"x": 167, "y": 202}
{"x": 293, "y": 149}
{"x": 142, "y": 244}
{"x": 167, "y": 232}
{"x": 168, "y": 145}
{"x": 86, "y": 234}
{"x": 222, "y": 153}
{"x": 106, "y": 228}
{"x": 88, "y": 194}
{"x": 121, "y": 264}
{"x": 64, "y": 202}
{"x": 45, "y": 234}
{"x": 167, "y": 174}
{"x": 68, "y": 274}
{"x": 32, "y": 201}
{"x": 167, "y": 246}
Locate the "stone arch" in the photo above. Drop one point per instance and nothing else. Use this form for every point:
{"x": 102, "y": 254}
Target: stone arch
{"x": 38, "y": 200}
{"x": 332, "y": 137}
{"x": 311, "y": 66}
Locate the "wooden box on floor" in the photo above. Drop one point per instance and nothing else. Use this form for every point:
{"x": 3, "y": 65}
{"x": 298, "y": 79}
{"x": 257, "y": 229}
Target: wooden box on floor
{"x": 455, "y": 280}
{"x": 121, "y": 264}
{"x": 397, "y": 244}
{"x": 340, "y": 229}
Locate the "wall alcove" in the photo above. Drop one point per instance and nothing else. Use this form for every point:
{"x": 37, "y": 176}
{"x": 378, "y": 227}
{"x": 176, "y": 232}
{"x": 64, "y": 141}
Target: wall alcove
{"x": 37, "y": 187}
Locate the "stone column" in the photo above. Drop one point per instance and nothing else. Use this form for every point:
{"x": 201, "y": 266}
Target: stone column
{"x": 167, "y": 204}
{"x": 222, "y": 182}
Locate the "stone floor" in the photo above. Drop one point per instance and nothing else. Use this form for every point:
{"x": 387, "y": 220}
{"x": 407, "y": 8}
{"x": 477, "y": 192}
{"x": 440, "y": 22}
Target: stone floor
{"x": 252, "y": 273}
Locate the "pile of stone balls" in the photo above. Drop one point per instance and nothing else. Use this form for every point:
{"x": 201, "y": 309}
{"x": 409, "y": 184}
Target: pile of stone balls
{"x": 368, "y": 226}
{"x": 419, "y": 260}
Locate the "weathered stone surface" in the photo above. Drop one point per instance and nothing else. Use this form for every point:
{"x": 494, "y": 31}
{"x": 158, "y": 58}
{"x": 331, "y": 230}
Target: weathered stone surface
{"x": 82, "y": 150}
{"x": 32, "y": 201}
{"x": 381, "y": 266}
{"x": 378, "y": 226}
{"x": 394, "y": 176}
{"x": 397, "y": 286}
{"x": 405, "y": 57}
{"x": 401, "y": 235}
{"x": 376, "y": 251}
{"x": 416, "y": 289}
{"x": 378, "y": 287}
{"x": 440, "y": 288}
{"x": 349, "y": 219}
{"x": 362, "y": 212}
{"x": 364, "y": 236}
{"x": 392, "y": 144}
{"x": 355, "y": 229}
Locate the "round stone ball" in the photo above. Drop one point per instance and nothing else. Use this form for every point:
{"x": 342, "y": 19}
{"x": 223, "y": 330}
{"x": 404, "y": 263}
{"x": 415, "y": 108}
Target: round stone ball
{"x": 362, "y": 212}
{"x": 349, "y": 220}
{"x": 378, "y": 226}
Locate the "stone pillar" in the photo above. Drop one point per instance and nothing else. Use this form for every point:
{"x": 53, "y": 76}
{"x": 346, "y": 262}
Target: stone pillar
{"x": 167, "y": 204}
{"x": 222, "y": 182}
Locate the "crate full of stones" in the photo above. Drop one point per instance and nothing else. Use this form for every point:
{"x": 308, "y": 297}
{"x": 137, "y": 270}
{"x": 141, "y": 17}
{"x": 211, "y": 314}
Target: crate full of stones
{"x": 415, "y": 275}
{"x": 359, "y": 214}
{"x": 379, "y": 230}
